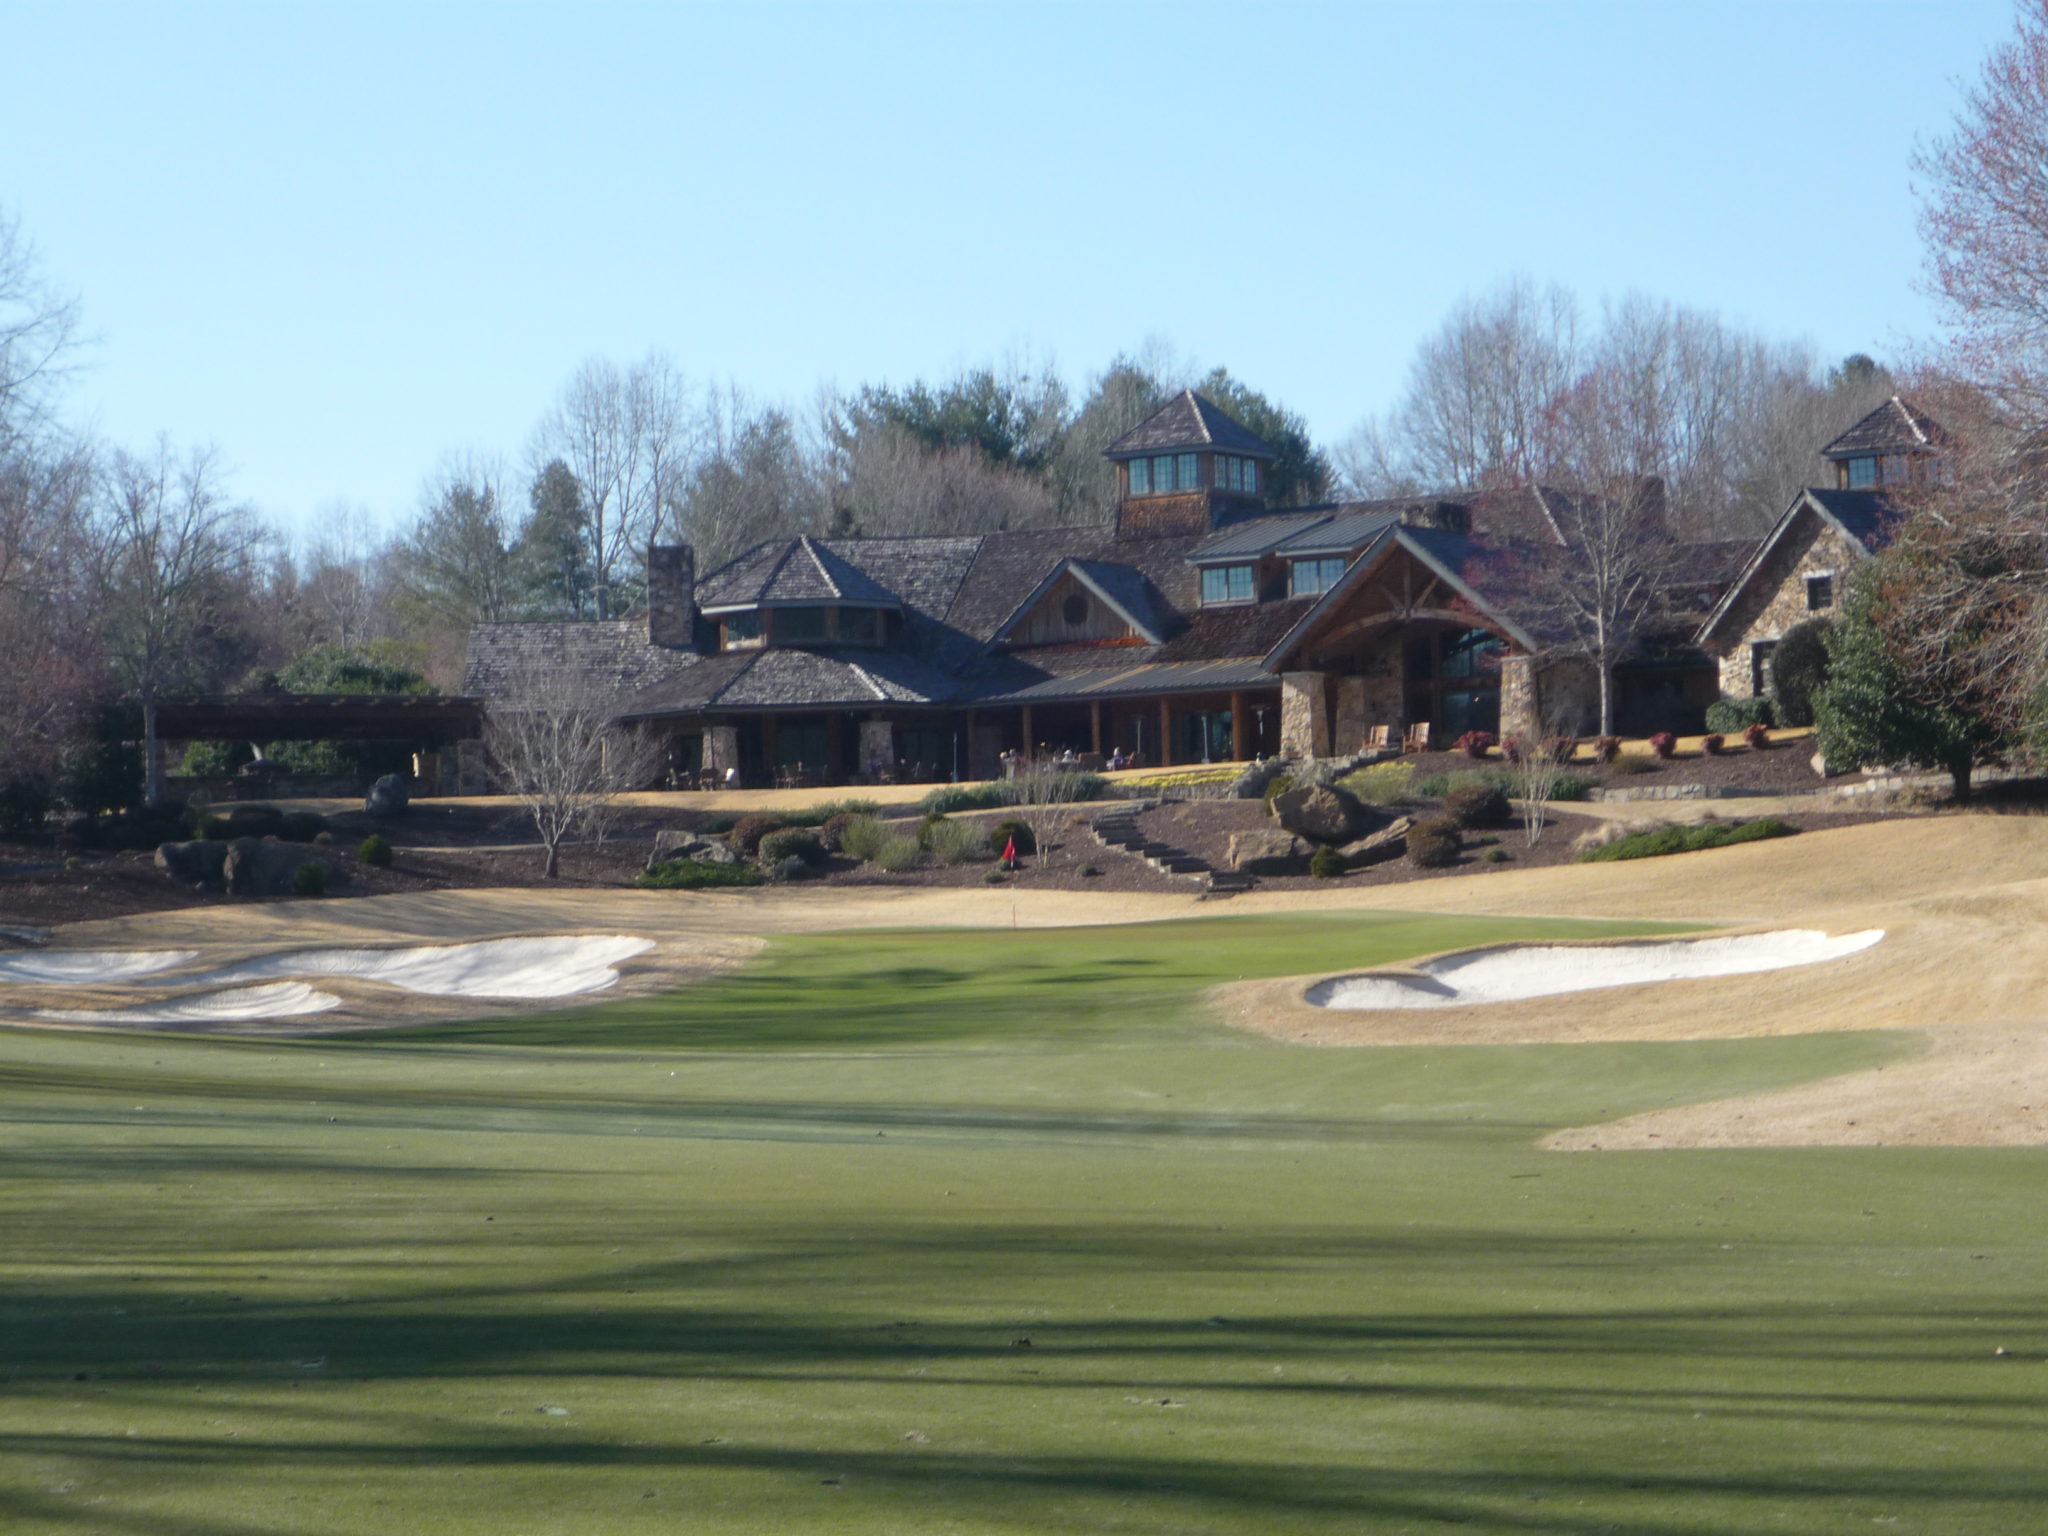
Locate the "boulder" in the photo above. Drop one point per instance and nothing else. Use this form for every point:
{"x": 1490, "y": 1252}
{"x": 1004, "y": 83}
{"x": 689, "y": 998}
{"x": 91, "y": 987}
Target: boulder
{"x": 198, "y": 864}
{"x": 389, "y": 796}
{"x": 791, "y": 868}
{"x": 1820, "y": 766}
{"x": 672, "y": 844}
{"x": 1322, "y": 814}
{"x": 1266, "y": 852}
{"x": 254, "y": 867}
{"x": 1390, "y": 842}
{"x": 1251, "y": 784}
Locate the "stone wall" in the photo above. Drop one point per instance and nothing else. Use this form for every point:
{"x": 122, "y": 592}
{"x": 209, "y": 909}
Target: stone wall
{"x": 1304, "y": 715}
{"x": 877, "y": 749}
{"x": 1777, "y": 597}
{"x": 721, "y": 748}
{"x": 1543, "y": 698}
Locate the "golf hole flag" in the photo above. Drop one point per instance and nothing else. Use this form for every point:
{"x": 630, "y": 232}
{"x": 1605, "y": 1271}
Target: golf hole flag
{"x": 1010, "y": 851}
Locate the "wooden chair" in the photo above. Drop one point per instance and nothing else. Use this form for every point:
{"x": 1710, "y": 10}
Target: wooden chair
{"x": 1380, "y": 738}
{"x": 1418, "y": 737}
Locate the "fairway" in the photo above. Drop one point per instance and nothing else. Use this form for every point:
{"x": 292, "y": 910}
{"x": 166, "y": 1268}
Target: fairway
{"x": 992, "y": 1231}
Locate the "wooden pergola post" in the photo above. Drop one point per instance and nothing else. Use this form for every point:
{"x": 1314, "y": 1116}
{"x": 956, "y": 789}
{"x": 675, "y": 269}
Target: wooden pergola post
{"x": 1165, "y": 735}
{"x": 1030, "y": 747}
{"x": 1095, "y": 725}
{"x": 1237, "y": 751}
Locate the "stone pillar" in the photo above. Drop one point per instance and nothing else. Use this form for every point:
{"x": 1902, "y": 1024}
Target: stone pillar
{"x": 1304, "y": 716}
{"x": 877, "y": 749}
{"x": 1348, "y": 735}
{"x": 1030, "y": 746}
{"x": 472, "y": 768}
{"x": 721, "y": 748}
{"x": 1521, "y": 699}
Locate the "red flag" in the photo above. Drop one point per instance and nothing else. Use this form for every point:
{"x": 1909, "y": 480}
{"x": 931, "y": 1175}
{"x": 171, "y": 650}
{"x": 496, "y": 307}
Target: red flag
{"x": 1010, "y": 851}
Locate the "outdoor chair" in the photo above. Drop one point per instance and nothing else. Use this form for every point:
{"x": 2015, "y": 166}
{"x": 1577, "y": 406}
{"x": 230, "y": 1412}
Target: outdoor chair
{"x": 1418, "y": 737}
{"x": 1381, "y": 738}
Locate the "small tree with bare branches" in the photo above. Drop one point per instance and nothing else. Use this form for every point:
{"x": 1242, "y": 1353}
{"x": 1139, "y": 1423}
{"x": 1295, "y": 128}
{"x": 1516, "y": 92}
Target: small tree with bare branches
{"x": 560, "y": 753}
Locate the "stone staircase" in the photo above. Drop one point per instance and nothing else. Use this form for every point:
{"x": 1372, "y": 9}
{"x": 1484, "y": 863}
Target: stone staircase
{"x": 1119, "y": 829}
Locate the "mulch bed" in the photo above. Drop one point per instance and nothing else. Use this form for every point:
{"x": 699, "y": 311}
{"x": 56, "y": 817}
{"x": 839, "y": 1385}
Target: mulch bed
{"x": 1785, "y": 769}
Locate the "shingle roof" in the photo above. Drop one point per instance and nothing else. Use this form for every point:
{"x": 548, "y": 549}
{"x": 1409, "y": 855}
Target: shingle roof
{"x": 1140, "y": 677}
{"x": 795, "y": 679}
{"x": 800, "y": 570}
{"x": 1189, "y": 420}
{"x": 1894, "y": 427}
{"x": 612, "y": 655}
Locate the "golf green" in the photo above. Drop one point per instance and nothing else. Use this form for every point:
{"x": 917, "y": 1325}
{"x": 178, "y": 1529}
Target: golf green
{"x": 990, "y": 1232}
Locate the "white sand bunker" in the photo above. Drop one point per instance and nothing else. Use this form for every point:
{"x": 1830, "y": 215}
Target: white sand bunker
{"x": 529, "y": 968}
{"x": 1514, "y": 972}
{"x": 284, "y": 1000}
{"x": 89, "y": 967}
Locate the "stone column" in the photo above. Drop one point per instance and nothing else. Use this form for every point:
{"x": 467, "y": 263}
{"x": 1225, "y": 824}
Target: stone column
{"x": 1304, "y": 716}
{"x": 1349, "y": 733}
{"x": 877, "y": 749}
{"x": 721, "y": 748}
{"x": 1521, "y": 699}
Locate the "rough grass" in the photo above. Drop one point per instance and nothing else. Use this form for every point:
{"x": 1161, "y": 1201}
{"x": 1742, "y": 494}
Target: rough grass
{"x": 985, "y": 1232}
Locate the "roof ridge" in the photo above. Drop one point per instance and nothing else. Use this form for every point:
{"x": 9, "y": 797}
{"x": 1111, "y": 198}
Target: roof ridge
{"x": 818, "y": 560}
{"x": 867, "y": 677}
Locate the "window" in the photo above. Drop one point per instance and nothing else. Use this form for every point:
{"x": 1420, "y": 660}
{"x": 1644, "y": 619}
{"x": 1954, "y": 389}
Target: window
{"x": 1227, "y": 584}
{"x": 1820, "y": 591}
{"x": 1311, "y": 577}
{"x": 1189, "y": 477}
{"x": 1862, "y": 474}
{"x": 1075, "y": 609}
{"x": 860, "y": 626}
{"x": 799, "y": 626}
{"x": 742, "y": 630}
{"x": 1141, "y": 477}
{"x": 1251, "y": 476}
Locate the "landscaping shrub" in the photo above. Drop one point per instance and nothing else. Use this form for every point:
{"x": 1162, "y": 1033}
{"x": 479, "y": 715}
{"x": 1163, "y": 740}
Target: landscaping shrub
{"x": 1799, "y": 669}
{"x": 1606, "y": 749}
{"x": 376, "y": 851}
{"x": 1632, "y": 763}
{"x": 1571, "y": 786}
{"x": 1089, "y": 871}
{"x": 862, "y": 837}
{"x": 1474, "y": 743}
{"x": 1435, "y": 843}
{"x": 1496, "y": 856}
{"x": 1326, "y": 863}
{"x": 1478, "y": 805}
{"x": 792, "y": 843}
{"x": 697, "y": 875}
{"x": 1513, "y": 749}
{"x": 1560, "y": 749}
{"x": 1711, "y": 744}
{"x": 1437, "y": 786}
{"x": 1732, "y": 716}
{"x": 1758, "y": 736}
{"x": 1283, "y": 782}
{"x": 1382, "y": 783}
{"x": 826, "y": 810}
{"x": 1687, "y": 839}
{"x": 924, "y": 828}
{"x": 746, "y": 834}
{"x": 309, "y": 879}
{"x": 998, "y": 793}
{"x": 323, "y": 839}
{"x": 997, "y": 877}
{"x": 1009, "y": 827}
{"x": 832, "y": 831}
{"x": 301, "y": 826}
{"x": 953, "y": 842}
{"x": 1663, "y": 744}
{"x": 898, "y": 854}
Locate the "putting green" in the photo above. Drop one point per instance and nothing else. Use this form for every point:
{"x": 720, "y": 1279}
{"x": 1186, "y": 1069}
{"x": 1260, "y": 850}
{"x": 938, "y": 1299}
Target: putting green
{"x": 989, "y": 1232}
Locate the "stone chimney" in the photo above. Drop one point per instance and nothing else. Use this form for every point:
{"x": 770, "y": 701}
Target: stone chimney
{"x": 1449, "y": 516}
{"x": 672, "y": 596}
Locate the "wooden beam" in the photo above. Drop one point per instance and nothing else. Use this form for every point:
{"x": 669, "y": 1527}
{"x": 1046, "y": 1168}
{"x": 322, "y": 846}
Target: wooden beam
{"x": 1095, "y": 725}
{"x": 1165, "y": 735}
{"x": 1237, "y": 751}
{"x": 1030, "y": 746}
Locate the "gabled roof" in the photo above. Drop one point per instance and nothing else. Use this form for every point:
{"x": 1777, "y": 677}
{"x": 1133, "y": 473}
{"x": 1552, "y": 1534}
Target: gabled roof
{"x": 1443, "y": 553}
{"x": 799, "y": 570}
{"x": 1126, "y": 592}
{"x": 1894, "y": 427}
{"x": 1189, "y": 420}
{"x": 1862, "y": 517}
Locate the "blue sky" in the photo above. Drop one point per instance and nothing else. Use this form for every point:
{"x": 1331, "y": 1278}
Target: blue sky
{"x": 341, "y": 241}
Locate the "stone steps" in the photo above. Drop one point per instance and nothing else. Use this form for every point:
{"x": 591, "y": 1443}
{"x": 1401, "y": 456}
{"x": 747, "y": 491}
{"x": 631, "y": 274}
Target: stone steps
{"x": 1120, "y": 830}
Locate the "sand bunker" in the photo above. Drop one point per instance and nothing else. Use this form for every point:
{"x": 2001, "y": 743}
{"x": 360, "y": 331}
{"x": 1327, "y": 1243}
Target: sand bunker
{"x": 1514, "y": 972}
{"x": 284, "y": 1000}
{"x": 89, "y": 967}
{"x": 510, "y": 968}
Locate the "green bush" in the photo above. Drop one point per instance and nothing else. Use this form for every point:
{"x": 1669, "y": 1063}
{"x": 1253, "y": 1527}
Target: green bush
{"x": 1438, "y": 786}
{"x": 948, "y": 798}
{"x": 1382, "y": 784}
{"x": 1435, "y": 843}
{"x": 1799, "y": 670}
{"x": 746, "y": 834}
{"x": 997, "y": 793}
{"x": 375, "y": 851}
{"x": 1688, "y": 839}
{"x": 1496, "y": 856}
{"x": 954, "y": 842}
{"x": 310, "y": 879}
{"x": 1326, "y": 863}
{"x": 323, "y": 839}
{"x": 898, "y": 855}
{"x": 1730, "y": 717}
{"x": 697, "y": 875}
{"x": 862, "y": 837}
{"x": 1001, "y": 833}
{"x": 1279, "y": 784}
{"x": 1478, "y": 805}
{"x": 301, "y": 826}
{"x": 997, "y": 877}
{"x": 832, "y": 830}
{"x": 792, "y": 842}
{"x": 826, "y": 810}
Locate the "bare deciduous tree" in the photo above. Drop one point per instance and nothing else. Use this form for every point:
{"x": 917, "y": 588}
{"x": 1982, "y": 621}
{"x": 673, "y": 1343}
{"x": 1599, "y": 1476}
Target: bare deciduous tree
{"x": 38, "y": 333}
{"x": 557, "y": 750}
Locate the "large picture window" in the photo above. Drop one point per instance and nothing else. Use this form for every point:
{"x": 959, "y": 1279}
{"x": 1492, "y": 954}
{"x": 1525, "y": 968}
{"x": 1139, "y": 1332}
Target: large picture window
{"x": 1226, "y": 584}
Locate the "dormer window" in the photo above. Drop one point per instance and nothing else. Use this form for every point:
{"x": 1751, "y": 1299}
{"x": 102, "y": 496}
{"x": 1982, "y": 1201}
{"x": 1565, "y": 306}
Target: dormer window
{"x": 1167, "y": 473}
{"x": 1235, "y": 474}
{"x": 1312, "y": 578}
{"x": 1859, "y": 474}
{"x": 742, "y": 631}
{"x": 1226, "y": 584}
